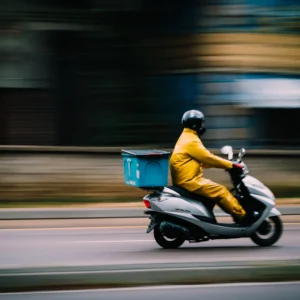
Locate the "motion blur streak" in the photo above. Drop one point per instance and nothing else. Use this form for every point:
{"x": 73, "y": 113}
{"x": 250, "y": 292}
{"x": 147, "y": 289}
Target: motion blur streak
{"x": 81, "y": 80}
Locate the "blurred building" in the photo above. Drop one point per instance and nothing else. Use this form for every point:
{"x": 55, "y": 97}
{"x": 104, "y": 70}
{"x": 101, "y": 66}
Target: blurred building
{"x": 114, "y": 73}
{"x": 251, "y": 87}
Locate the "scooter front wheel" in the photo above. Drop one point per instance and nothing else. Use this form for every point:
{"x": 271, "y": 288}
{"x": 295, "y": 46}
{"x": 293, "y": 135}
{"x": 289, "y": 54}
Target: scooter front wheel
{"x": 268, "y": 233}
{"x": 166, "y": 243}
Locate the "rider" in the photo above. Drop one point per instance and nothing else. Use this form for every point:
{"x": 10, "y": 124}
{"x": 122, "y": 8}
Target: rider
{"x": 190, "y": 157}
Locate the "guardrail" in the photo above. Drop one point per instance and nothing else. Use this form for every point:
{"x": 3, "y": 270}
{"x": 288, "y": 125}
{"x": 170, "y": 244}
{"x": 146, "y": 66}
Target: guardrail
{"x": 41, "y": 173}
{"x": 116, "y": 150}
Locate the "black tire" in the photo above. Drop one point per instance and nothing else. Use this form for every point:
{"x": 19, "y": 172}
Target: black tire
{"x": 167, "y": 244}
{"x": 258, "y": 238}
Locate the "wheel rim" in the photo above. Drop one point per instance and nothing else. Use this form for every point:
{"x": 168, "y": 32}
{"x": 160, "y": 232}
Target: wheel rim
{"x": 267, "y": 229}
{"x": 167, "y": 238}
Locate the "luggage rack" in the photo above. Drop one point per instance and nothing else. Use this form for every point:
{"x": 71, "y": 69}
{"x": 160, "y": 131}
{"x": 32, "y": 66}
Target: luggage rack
{"x": 153, "y": 152}
{"x": 152, "y": 188}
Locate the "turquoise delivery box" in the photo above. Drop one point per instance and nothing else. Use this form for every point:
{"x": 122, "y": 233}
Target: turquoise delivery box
{"x": 146, "y": 168}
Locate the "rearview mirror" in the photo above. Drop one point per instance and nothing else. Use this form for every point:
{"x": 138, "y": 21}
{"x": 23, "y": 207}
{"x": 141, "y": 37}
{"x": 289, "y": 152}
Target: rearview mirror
{"x": 227, "y": 150}
{"x": 242, "y": 153}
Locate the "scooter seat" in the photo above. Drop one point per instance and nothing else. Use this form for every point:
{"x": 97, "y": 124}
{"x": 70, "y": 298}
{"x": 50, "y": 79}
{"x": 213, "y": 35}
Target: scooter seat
{"x": 185, "y": 193}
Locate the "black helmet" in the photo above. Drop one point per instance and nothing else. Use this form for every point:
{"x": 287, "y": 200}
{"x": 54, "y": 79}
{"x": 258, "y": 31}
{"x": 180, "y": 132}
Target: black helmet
{"x": 194, "y": 119}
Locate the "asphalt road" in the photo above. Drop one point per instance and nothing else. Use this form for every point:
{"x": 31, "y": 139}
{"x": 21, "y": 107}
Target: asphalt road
{"x": 120, "y": 245}
{"x": 274, "y": 291}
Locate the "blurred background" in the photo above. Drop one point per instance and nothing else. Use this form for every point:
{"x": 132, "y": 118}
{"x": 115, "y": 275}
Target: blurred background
{"x": 82, "y": 79}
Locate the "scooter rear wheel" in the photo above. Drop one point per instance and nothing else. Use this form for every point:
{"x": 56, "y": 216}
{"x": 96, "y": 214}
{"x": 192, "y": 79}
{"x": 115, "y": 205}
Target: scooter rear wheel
{"x": 166, "y": 243}
{"x": 268, "y": 233}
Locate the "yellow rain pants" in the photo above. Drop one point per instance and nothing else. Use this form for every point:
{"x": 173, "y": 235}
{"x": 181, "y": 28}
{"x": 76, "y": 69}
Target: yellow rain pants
{"x": 186, "y": 165}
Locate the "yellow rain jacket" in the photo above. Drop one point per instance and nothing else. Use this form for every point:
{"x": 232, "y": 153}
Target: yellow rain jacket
{"x": 186, "y": 165}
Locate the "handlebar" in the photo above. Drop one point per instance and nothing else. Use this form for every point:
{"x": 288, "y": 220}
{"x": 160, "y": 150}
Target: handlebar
{"x": 237, "y": 174}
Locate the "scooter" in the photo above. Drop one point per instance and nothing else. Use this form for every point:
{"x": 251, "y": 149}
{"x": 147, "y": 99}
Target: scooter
{"x": 177, "y": 215}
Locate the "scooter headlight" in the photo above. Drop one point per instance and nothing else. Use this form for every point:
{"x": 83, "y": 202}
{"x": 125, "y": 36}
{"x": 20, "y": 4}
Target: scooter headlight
{"x": 246, "y": 170}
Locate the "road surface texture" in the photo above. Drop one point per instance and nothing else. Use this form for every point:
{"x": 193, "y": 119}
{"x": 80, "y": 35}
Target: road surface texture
{"x": 93, "y": 253}
{"x": 274, "y": 291}
{"x": 127, "y": 244}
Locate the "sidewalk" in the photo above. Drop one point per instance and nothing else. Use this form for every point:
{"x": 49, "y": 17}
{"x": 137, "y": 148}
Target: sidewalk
{"x": 49, "y": 278}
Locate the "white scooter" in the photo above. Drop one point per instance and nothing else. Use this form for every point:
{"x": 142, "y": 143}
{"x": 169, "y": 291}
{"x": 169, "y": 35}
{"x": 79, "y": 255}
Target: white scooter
{"x": 178, "y": 215}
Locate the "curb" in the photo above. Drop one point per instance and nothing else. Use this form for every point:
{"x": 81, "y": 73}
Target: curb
{"x": 35, "y": 279}
{"x": 96, "y": 213}
{"x": 117, "y": 150}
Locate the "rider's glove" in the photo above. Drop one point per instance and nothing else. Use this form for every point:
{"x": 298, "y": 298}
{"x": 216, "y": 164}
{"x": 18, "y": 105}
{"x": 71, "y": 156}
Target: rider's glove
{"x": 239, "y": 169}
{"x": 238, "y": 166}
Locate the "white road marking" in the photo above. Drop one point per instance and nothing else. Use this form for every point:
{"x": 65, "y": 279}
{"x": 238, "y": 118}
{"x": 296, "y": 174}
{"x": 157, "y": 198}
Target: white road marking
{"x": 118, "y": 241}
{"x": 72, "y": 228}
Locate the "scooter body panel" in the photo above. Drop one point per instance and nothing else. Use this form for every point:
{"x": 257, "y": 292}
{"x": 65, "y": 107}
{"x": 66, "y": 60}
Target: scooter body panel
{"x": 169, "y": 203}
{"x": 172, "y": 204}
{"x": 180, "y": 206}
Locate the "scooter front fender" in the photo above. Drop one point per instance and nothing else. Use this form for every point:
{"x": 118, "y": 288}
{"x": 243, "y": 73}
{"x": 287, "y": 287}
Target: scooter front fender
{"x": 274, "y": 212}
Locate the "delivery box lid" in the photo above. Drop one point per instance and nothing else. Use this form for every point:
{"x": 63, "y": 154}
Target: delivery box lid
{"x": 145, "y": 152}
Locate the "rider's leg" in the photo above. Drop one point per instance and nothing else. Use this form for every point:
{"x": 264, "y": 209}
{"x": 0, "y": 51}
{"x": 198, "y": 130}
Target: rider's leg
{"x": 221, "y": 195}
